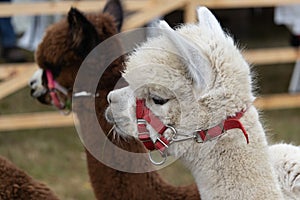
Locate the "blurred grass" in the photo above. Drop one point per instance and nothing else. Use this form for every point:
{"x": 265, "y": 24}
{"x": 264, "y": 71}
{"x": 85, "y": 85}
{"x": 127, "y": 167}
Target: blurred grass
{"x": 56, "y": 156}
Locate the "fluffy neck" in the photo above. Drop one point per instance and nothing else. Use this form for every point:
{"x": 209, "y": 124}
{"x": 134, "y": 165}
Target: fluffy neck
{"x": 229, "y": 168}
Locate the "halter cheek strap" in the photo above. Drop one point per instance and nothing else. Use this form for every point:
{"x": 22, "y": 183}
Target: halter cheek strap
{"x": 229, "y": 123}
{"x": 144, "y": 116}
{"x": 53, "y": 86}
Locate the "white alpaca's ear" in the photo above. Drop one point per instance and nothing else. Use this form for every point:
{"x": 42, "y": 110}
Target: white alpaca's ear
{"x": 208, "y": 21}
{"x": 197, "y": 64}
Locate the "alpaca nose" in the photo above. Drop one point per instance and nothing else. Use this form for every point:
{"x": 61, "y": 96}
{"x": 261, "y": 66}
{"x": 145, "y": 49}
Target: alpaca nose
{"x": 112, "y": 97}
{"x": 109, "y": 97}
{"x": 36, "y": 80}
{"x": 32, "y": 82}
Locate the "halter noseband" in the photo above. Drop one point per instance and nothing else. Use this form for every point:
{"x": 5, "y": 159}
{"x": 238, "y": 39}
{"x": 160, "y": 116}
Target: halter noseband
{"x": 161, "y": 142}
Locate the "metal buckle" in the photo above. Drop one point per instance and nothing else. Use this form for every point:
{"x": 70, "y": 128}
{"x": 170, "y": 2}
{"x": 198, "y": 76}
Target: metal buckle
{"x": 197, "y": 137}
{"x": 141, "y": 121}
{"x": 186, "y": 137}
{"x": 175, "y": 135}
{"x": 172, "y": 129}
{"x": 162, "y": 142}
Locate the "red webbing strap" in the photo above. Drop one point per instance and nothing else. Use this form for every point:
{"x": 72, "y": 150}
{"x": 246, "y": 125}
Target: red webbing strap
{"x": 154, "y": 121}
{"x": 51, "y": 86}
{"x": 229, "y": 123}
{"x": 144, "y": 113}
{"x": 140, "y": 108}
{"x": 235, "y": 123}
{"x": 144, "y": 135}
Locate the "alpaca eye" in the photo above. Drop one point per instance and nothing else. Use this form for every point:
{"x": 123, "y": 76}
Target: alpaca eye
{"x": 159, "y": 100}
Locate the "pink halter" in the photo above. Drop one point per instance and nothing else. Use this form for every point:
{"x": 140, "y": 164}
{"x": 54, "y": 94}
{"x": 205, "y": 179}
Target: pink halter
{"x": 53, "y": 86}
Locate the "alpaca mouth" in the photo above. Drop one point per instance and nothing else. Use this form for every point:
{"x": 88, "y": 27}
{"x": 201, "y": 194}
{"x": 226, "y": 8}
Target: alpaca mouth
{"x": 41, "y": 97}
{"x": 45, "y": 98}
{"x": 36, "y": 93}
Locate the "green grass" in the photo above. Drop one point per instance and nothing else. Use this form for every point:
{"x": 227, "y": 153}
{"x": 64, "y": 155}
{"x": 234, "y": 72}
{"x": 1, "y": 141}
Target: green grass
{"x": 54, "y": 156}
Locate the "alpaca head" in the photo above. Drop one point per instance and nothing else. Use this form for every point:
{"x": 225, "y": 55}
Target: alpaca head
{"x": 191, "y": 78}
{"x": 67, "y": 43}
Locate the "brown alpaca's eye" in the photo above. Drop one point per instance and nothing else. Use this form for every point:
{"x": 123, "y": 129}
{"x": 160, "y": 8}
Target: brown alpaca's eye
{"x": 159, "y": 101}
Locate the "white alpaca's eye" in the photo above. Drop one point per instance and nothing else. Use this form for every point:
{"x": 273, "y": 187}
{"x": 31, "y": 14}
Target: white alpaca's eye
{"x": 159, "y": 101}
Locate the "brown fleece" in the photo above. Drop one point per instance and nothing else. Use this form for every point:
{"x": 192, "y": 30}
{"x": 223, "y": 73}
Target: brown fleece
{"x": 16, "y": 184}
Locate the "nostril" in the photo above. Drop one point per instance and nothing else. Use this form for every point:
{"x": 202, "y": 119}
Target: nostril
{"x": 32, "y": 82}
{"x": 108, "y": 98}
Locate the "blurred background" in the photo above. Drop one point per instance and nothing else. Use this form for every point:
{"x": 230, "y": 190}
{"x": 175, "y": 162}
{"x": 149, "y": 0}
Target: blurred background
{"x": 55, "y": 154}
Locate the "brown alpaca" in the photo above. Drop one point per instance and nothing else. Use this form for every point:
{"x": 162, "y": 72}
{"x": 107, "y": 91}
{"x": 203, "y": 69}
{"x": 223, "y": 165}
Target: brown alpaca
{"x": 62, "y": 51}
{"x": 16, "y": 184}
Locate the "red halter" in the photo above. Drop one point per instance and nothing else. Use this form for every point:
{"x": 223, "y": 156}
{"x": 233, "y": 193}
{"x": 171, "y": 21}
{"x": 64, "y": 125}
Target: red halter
{"x": 53, "y": 86}
{"x": 145, "y": 116}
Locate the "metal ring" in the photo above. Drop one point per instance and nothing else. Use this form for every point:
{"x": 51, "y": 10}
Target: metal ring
{"x": 164, "y": 156}
{"x": 172, "y": 129}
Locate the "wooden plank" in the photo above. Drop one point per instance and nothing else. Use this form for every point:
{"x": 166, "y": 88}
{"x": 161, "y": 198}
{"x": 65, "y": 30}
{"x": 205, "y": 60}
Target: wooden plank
{"x": 272, "y": 55}
{"x": 190, "y": 15}
{"x": 17, "y": 82}
{"x": 11, "y": 70}
{"x": 151, "y": 11}
{"x": 61, "y": 7}
{"x": 34, "y": 121}
{"x": 227, "y": 4}
{"x": 255, "y": 56}
{"x": 278, "y": 101}
{"x": 25, "y": 121}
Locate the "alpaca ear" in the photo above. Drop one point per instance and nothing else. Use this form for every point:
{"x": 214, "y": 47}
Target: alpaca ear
{"x": 115, "y": 9}
{"x": 197, "y": 64}
{"x": 208, "y": 21}
{"x": 83, "y": 35}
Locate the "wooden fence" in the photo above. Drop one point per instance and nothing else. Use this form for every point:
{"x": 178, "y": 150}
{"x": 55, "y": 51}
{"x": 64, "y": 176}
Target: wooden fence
{"x": 15, "y": 76}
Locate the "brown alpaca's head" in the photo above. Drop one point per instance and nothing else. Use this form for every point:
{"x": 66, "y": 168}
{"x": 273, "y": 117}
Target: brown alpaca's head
{"x": 67, "y": 43}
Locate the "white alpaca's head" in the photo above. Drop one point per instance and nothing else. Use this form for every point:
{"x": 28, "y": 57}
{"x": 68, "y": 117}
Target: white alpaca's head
{"x": 192, "y": 78}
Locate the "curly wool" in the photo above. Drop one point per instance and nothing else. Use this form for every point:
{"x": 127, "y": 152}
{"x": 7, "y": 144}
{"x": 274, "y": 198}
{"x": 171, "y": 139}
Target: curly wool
{"x": 16, "y": 184}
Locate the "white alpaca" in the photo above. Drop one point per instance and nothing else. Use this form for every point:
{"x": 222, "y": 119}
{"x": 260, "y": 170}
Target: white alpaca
{"x": 286, "y": 161}
{"x": 195, "y": 79}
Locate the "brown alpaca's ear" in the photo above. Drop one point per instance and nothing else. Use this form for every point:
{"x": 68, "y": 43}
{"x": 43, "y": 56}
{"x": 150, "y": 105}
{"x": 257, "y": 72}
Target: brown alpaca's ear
{"x": 115, "y": 9}
{"x": 83, "y": 35}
